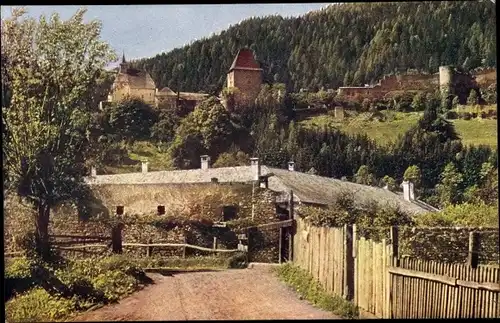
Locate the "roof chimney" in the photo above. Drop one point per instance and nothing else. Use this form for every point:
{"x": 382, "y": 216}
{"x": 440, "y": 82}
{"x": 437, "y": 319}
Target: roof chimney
{"x": 205, "y": 162}
{"x": 255, "y": 167}
{"x": 93, "y": 171}
{"x": 408, "y": 193}
{"x": 145, "y": 167}
{"x": 291, "y": 166}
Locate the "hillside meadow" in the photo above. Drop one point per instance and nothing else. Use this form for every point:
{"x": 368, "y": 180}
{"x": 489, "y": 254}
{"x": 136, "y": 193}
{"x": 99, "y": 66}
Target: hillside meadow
{"x": 385, "y": 127}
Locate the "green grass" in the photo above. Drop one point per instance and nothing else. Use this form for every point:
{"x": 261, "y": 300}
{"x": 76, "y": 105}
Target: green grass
{"x": 474, "y": 131}
{"x": 146, "y": 151}
{"x": 477, "y": 131}
{"x": 312, "y": 291}
{"x": 45, "y": 292}
{"x": 143, "y": 151}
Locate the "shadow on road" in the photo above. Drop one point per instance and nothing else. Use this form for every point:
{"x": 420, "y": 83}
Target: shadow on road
{"x": 172, "y": 272}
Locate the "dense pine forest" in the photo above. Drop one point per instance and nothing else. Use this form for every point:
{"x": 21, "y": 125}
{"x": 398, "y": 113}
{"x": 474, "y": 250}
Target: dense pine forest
{"x": 343, "y": 44}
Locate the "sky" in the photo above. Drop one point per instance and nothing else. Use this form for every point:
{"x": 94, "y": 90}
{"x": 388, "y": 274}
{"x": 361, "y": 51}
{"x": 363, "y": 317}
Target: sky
{"x": 146, "y": 30}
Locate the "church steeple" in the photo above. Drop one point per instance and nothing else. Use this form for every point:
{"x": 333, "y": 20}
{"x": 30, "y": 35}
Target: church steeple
{"x": 124, "y": 65}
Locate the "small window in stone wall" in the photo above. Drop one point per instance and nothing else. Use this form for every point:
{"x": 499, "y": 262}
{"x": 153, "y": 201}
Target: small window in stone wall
{"x": 120, "y": 209}
{"x": 229, "y": 212}
{"x": 161, "y": 209}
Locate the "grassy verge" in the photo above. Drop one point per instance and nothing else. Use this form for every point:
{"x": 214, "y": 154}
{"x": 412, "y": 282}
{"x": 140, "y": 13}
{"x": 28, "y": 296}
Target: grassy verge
{"x": 38, "y": 291}
{"x": 237, "y": 260}
{"x": 312, "y": 291}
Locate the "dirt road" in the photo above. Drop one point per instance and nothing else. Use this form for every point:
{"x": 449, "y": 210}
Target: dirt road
{"x": 237, "y": 294}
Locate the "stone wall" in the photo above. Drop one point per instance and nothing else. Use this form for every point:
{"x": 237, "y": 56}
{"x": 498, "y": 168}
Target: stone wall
{"x": 121, "y": 92}
{"x": 448, "y": 80}
{"x": 248, "y": 83}
{"x": 189, "y": 207}
{"x": 486, "y": 77}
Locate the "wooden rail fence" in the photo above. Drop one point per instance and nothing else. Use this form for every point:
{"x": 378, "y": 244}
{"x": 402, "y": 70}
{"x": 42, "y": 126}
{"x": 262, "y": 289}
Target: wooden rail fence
{"x": 379, "y": 281}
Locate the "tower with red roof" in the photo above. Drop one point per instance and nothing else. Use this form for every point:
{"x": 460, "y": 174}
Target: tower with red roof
{"x": 245, "y": 74}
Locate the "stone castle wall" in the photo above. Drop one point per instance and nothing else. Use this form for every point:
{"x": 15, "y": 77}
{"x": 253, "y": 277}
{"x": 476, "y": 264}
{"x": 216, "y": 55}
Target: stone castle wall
{"x": 447, "y": 80}
{"x": 486, "y": 77}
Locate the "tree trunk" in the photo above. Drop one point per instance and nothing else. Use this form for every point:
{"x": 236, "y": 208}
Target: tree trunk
{"x": 42, "y": 230}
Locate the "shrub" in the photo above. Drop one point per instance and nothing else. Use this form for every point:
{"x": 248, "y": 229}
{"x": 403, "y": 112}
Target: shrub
{"x": 311, "y": 290}
{"x": 238, "y": 260}
{"x": 465, "y": 214}
{"x": 74, "y": 286}
{"x": 451, "y": 115}
{"x": 38, "y": 305}
{"x": 467, "y": 116}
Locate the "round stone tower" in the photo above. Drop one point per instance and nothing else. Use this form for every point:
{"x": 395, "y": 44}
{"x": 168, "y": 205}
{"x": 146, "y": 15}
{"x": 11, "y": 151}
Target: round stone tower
{"x": 446, "y": 79}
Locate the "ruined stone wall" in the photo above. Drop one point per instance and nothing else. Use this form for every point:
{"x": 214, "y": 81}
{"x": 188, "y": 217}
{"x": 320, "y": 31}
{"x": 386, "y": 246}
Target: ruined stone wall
{"x": 486, "y": 77}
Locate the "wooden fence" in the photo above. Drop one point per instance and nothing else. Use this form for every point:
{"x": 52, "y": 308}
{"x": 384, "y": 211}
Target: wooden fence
{"x": 375, "y": 278}
{"x": 313, "y": 252}
{"x": 81, "y": 243}
{"x": 429, "y": 289}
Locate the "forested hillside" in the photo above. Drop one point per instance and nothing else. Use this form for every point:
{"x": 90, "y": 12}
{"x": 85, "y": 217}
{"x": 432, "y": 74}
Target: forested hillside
{"x": 346, "y": 44}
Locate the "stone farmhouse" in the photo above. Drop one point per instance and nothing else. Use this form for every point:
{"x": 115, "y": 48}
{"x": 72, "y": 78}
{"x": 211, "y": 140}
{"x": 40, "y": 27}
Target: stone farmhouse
{"x": 132, "y": 82}
{"x": 307, "y": 189}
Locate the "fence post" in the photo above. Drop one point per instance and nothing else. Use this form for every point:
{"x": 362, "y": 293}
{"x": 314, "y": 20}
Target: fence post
{"x": 395, "y": 246}
{"x": 473, "y": 258}
{"x": 116, "y": 238}
{"x": 215, "y": 243}
{"x": 280, "y": 246}
{"x": 149, "y": 250}
{"x": 290, "y": 230}
{"x": 184, "y": 248}
{"x": 348, "y": 263}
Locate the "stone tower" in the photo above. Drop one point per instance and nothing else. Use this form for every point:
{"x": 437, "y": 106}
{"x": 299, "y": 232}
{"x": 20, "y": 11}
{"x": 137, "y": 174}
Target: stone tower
{"x": 245, "y": 74}
{"x": 446, "y": 80}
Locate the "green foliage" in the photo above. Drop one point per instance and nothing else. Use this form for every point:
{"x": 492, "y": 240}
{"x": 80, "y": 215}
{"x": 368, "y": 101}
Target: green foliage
{"x": 418, "y": 103}
{"x": 53, "y": 67}
{"x": 311, "y": 290}
{"x": 448, "y": 188}
{"x": 473, "y": 98}
{"x": 370, "y": 218}
{"x": 465, "y": 214}
{"x": 413, "y": 174}
{"x": 205, "y": 129}
{"x": 490, "y": 94}
{"x": 363, "y": 176}
{"x": 231, "y": 159}
{"x": 70, "y": 287}
{"x": 390, "y": 182}
{"x": 132, "y": 119}
{"x": 387, "y": 37}
{"x": 37, "y": 305}
{"x": 163, "y": 131}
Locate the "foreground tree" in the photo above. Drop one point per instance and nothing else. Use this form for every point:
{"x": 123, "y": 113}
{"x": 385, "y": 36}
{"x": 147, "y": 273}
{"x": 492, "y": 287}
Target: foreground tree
{"x": 53, "y": 67}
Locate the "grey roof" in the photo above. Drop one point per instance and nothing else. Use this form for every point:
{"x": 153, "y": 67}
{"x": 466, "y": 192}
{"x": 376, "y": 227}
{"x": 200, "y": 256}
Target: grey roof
{"x": 307, "y": 188}
{"x": 223, "y": 174}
